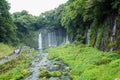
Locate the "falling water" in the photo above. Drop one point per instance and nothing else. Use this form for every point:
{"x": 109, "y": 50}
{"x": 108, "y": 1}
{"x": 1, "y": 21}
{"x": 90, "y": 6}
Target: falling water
{"x": 98, "y": 34}
{"x": 40, "y": 42}
{"x": 113, "y": 35}
{"x": 53, "y": 38}
{"x": 88, "y": 37}
{"x": 49, "y": 39}
{"x": 67, "y": 40}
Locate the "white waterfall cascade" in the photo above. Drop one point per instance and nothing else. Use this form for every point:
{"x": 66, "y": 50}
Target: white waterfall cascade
{"x": 67, "y": 40}
{"x": 88, "y": 37}
{"x": 98, "y": 34}
{"x": 49, "y": 39}
{"x": 40, "y": 42}
{"x": 53, "y": 38}
{"x": 113, "y": 35}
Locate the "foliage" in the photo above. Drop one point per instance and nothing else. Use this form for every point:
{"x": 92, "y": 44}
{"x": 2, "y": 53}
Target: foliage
{"x": 50, "y": 20}
{"x": 87, "y": 63}
{"x": 25, "y": 24}
{"x": 7, "y": 28}
{"x": 79, "y": 15}
{"x": 72, "y": 19}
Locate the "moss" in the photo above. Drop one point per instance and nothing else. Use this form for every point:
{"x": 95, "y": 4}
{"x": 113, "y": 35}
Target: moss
{"x": 98, "y": 41}
{"x": 56, "y": 74}
{"x": 44, "y": 78}
{"x": 44, "y": 73}
{"x": 26, "y": 72}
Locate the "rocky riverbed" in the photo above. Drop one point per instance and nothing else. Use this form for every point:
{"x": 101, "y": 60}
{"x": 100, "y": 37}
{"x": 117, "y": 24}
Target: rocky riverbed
{"x": 44, "y": 69}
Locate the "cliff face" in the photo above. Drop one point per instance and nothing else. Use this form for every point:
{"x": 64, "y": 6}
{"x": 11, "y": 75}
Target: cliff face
{"x": 107, "y": 36}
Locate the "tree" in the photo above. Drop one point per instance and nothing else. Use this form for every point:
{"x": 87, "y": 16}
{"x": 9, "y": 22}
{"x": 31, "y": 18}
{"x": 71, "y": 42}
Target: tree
{"x": 25, "y": 24}
{"x": 7, "y": 28}
{"x": 50, "y": 20}
{"x": 72, "y": 19}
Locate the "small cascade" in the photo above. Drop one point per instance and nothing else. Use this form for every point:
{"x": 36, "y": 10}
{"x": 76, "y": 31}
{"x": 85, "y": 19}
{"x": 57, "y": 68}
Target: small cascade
{"x": 98, "y": 34}
{"x": 40, "y": 42}
{"x": 88, "y": 37}
{"x": 49, "y": 39}
{"x": 67, "y": 40}
{"x": 113, "y": 35}
{"x": 54, "y": 39}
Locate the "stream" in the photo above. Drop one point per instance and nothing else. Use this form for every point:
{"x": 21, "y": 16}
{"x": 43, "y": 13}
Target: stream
{"x": 41, "y": 61}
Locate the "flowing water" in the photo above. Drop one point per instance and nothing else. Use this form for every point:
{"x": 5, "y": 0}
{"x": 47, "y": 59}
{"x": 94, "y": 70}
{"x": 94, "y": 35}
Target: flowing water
{"x": 40, "y": 42}
{"x": 35, "y": 65}
{"x": 43, "y": 62}
{"x": 88, "y": 37}
{"x": 113, "y": 35}
{"x": 53, "y": 38}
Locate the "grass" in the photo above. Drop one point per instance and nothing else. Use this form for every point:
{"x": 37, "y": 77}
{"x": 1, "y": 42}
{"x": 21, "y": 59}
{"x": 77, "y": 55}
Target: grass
{"x": 5, "y": 50}
{"x": 87, "y": 63}
{"x": 17, "y": 69}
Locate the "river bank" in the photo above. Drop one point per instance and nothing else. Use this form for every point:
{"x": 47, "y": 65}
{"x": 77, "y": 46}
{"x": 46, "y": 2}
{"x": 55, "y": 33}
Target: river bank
{"x": 87, "y": 63}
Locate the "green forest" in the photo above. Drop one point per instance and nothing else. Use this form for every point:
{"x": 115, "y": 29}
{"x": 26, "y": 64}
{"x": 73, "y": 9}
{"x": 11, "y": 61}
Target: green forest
{"x": 93, "y": 31}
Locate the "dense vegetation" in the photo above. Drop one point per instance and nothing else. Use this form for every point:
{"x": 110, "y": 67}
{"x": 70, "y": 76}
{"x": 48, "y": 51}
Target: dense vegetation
{"x": 98, "y": 16}
{"x": 7, "y": 28}
{"x": 17, "y": 68}
{"x": 25, "y": 28}
{"x": 92, "y": 22}
{"x": 76, "y": 17}
{"x": 87, "y": 63}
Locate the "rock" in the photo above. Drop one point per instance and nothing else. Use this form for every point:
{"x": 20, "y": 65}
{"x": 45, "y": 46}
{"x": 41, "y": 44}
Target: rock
{"x": 117, "y": 78}
{"x": 67, "y": 69}
{"x": 45, "y": 64}
{"x": 6, "y": 57}
{"x": 56, "y": 66}
{"x": 16, "y": 51}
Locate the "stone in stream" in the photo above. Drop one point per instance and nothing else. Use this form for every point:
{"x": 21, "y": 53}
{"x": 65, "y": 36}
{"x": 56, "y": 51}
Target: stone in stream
{"x": 45, "y": 64}
{"x": 117, "y": 78}
{"x": 56, "y": 66}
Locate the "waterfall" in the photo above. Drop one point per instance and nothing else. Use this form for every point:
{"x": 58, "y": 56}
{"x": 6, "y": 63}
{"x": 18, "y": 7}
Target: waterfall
{"x": 49, "y": 39}
{"x": 40, "y": 42}
{"x": 96, "y": 42}
{"x": 88, "y": 37}
{"x": 52, "y": 38}
{"x": 67, "y": 40}
{"x": 113, "y": 35}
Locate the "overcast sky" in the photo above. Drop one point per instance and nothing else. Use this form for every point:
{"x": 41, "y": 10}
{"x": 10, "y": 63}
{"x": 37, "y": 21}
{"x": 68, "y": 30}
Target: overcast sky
{"x": 34, "y": 7}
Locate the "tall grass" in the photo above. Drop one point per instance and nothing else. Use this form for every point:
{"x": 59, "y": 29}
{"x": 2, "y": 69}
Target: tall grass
{"x": 5, "y": 50}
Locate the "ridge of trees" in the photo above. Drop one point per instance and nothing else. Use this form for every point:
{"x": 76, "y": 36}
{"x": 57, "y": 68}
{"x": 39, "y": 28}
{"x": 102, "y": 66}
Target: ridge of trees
{"x": 75, "y": 16}
{"x": 7, "y": 28}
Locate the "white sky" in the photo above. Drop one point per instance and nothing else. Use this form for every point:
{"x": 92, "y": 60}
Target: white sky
{"x": 34, "y": 7}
